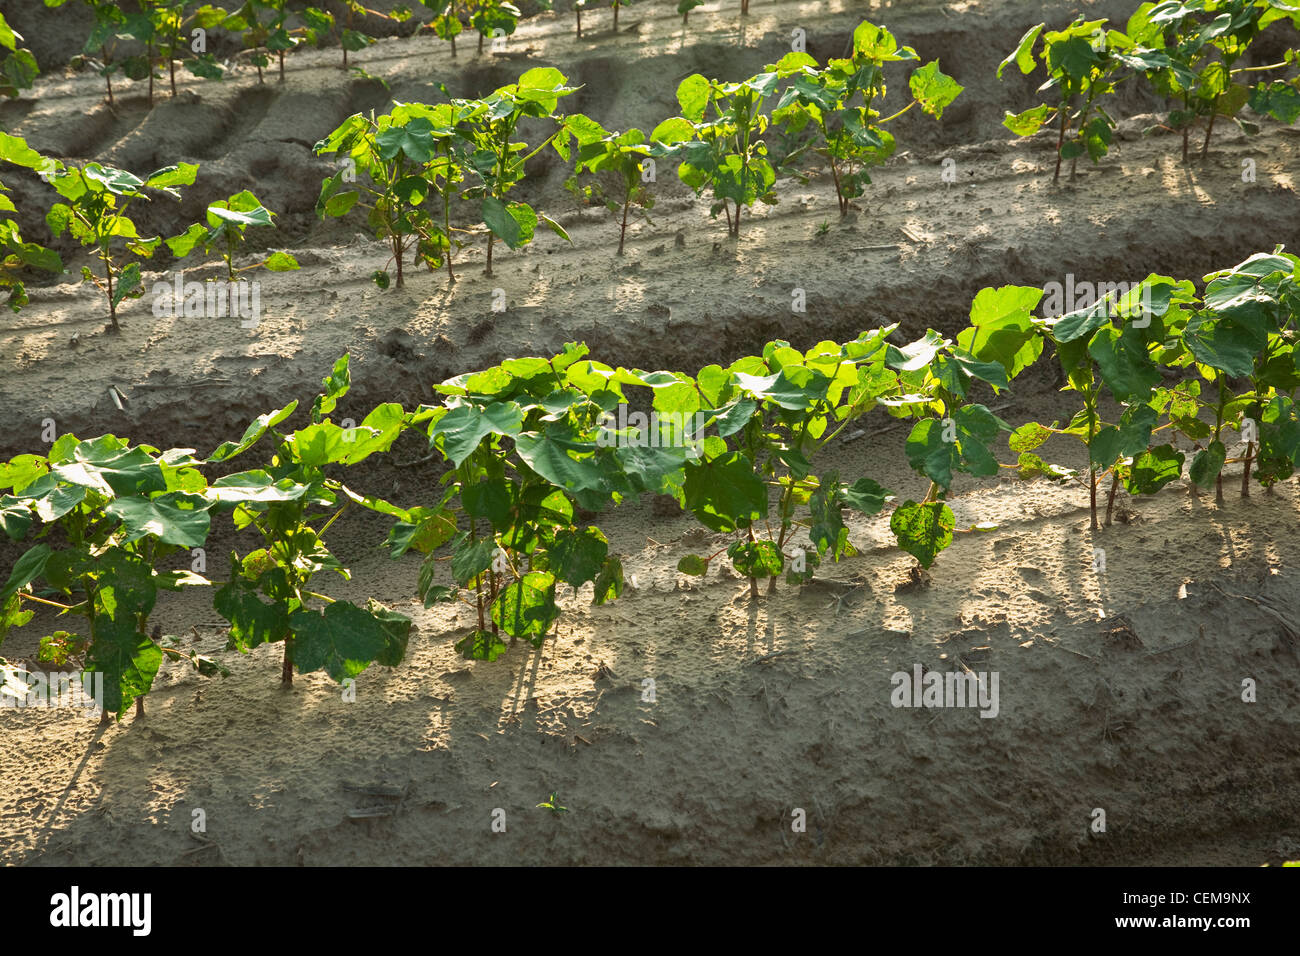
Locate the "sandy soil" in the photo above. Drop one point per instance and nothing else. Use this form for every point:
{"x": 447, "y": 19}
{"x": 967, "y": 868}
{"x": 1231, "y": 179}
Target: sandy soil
{"x": 1119, "y": 690}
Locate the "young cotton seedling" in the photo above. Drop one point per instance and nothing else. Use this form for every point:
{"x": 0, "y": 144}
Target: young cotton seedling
{"x": 321, "y": 23}
{"x": 95, "y": 214}
{"x": 270, "y": 595}
{"x": 840, "y": 103}
{"x": 778, "y": 410}
{"x": 228, "y": 221}
{"x": 262, "y": 23}
{"x": 1201, "y": 41}
{"x": 616, "y": 4}
{"x": 1108, "y": 345}
{"x": 121, "y": 512}
{"x": 620, "y": 157}
{"x": 493, "y": 19}
{"x": 446, "y": 21}
{"x": 109, "y": 27}
{"x": 409, "y": 159}
{"x": 1083, "y": 61}
{"x": 523, "y": 458}
{"x": 726, "y": 153}
{"x": 498, "y": 162}
{"x": 170, "y": 30}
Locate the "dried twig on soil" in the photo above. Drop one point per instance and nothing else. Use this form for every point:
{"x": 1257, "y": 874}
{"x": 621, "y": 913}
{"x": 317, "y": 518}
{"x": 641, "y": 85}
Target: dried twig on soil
{"x": 416, "y": 461}
{"x": 1291, "y": 630}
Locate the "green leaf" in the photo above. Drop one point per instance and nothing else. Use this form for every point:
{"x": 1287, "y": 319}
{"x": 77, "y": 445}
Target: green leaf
{"x": 527, "y": 607}
{"x": 174, "y": 518}
{"x": 756, "y": 559}
{"x": 1126, "y": 366}
{"x": 866, "y": 496}
{"x": 1027, "y": 122}
{"x": 281, "y": 262}
{"x": 254, "y": 486}
{"x": 1028, "y": 437}
{"x": 609, "y": 583}
{"x": 1023, "y": 54}
{"x": 725, "y": 494}
{"x": 252, "y": 620}
{"x": 481, "y": 646}
{"x": 344, "y": 639}
{"x": 1223, "y": 344}
{"x": 1207, "y": 464}
{"x": 693, "y": 96}
{"x": 471, "y": 558}
{"x": 337, "y": 384}
{"x": 923, "y": 530}
{"x": 415, "y": 139}
{"x": 124, "y": 597}
{"x": 256, "y": 429}
{"x": 694, "y": 565}
{"x": 465, "y": 426}
{"x": 431, "y": 532}
{"x": 578, "y": 556}
{"x": 504, "y": 225}
{"x": 933, "y": 89}
{"x": 27, "y": 568}
{"x": 1154, "y": 469}
{"x": 15, "y": 518}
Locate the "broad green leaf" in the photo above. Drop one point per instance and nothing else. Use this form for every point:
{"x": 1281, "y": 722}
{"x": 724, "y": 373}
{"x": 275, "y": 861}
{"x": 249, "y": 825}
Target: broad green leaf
{"x": 344, "y": 639}
{"x": 756, "y": 559}
{"x": 725, "y": 494}
{"x": 526, "y": 608}
{"x": 923, "y": 530}
{"x": 1154, "y": 469}
{"x": 1207, "y": 464}
{"x": 1023, "y": 54}
{"x": 174, "y": 518}
{"x": 578, "y": 556}
{"x": 933, "y": 89}
{"x": 26, "y": 569}
{"x": 481, "y": 646}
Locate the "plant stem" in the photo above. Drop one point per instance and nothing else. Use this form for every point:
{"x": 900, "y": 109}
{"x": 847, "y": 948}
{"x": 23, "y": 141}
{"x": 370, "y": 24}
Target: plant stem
{"x": 623, "y": 228}
{"x": 108, "y": 272}
{"x": 839, "y": 193}
{"x": 1110, "y": 500}
{"x": 1092, "y": 490}
{"x": 1060, "y": 143}
{"x": 1209, "y": 130}
{"x": 108, "y": 76}
{"x": 1245, "y": 473}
